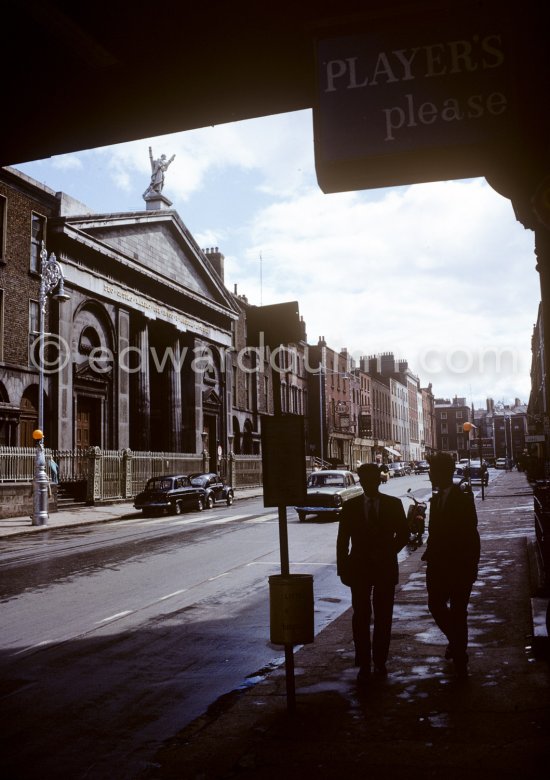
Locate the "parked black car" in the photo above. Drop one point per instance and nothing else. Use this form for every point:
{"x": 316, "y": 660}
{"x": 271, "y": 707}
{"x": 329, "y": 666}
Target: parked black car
{"x": 475, "y": 472}
{"x": 422, "y": 467}
{"x": 215, "y": 488}
{"x": 173, "y": 493}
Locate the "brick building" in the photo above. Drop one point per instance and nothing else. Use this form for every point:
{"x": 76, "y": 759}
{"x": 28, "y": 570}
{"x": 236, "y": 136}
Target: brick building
{"x": 26, "y": 210}
{"x": 450, "y": 417}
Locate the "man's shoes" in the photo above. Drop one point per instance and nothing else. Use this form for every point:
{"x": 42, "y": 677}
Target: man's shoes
{"x": 448, "y": 653}
{"x": 364, "y": 675}
{"x": 461, "y": 665}
{"x": 461, "y": 669}
{"x": 381, "y": 669}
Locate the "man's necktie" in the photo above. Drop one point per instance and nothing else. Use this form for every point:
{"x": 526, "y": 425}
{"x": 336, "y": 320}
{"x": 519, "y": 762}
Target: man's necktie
{"x": 371, "y": 507}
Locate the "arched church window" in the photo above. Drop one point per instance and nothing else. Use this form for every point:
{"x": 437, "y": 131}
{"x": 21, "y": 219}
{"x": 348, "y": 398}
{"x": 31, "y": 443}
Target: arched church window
{"x": 89, "y": 340}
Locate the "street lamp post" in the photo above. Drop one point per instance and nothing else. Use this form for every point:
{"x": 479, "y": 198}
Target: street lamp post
{"x": 51, "y": 277}
{"x": 467, "y": 427}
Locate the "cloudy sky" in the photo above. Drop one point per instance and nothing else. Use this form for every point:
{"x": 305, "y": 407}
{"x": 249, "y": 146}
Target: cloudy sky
{"x": 440, "y": 274}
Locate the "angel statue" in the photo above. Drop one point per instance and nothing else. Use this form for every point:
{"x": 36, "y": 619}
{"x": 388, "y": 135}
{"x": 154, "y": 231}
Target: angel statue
{"x": 158, "y": 169}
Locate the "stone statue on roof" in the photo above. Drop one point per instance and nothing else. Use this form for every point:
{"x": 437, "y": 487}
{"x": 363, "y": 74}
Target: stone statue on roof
{"x": 158, "y": 169}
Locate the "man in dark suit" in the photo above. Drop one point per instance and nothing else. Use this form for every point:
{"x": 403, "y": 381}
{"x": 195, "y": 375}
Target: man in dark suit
{"x": 452, "y": 555}
{"x": 375, "y": 526}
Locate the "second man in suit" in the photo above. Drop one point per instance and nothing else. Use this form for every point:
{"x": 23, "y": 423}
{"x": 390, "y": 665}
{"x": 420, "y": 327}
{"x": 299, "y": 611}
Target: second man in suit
{"x": 372, "y": 530}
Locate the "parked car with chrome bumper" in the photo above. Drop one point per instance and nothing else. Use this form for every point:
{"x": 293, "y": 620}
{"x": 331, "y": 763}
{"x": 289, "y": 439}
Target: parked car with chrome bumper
{"x": 397, "y": 469}
{"x": 216, "y": 489}
{"x": 327, "y": 492}
{"x": 171, "y": 493}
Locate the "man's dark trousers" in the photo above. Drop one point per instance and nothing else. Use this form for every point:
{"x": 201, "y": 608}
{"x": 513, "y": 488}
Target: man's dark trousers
{"x": 381, "y": 608}
{"x": 448, "y": 599}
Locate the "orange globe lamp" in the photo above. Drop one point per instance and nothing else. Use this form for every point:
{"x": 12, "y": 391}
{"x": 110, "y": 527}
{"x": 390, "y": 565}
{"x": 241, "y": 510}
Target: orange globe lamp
{"x": 37, "y": 435}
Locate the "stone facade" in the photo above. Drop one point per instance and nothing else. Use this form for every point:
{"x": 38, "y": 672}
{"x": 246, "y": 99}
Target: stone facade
{"x": 142, "y": 340}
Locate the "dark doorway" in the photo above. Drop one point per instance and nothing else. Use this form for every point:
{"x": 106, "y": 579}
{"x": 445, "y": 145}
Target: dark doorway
{"x": 88, "y": 422}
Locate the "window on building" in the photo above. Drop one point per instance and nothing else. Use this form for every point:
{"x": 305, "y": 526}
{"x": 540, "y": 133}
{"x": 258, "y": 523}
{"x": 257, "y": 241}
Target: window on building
{"x": 34, "y": 332}
{"x": 444, "y": 443}
{"x": 443, "y": 415}
{"x": 38, "y": 234}
{"x": 248, "y": 390}
{"x": 3, "y": 227}
{"x": 444, "y": 428}
{"x": 459, "y": 415}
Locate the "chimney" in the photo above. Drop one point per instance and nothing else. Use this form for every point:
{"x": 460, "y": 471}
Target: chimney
{"x": 217, "y": 260}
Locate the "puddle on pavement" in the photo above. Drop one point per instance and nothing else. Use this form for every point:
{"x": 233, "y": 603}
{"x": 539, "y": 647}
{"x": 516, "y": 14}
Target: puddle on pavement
{"x": 438, "y": 720}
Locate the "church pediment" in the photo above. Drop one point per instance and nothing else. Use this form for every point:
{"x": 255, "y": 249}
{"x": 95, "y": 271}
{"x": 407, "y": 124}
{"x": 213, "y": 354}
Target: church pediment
{"x": 157, "y": 242}
{"x": 87, "y": 371}
{"x": 211, "y": 398}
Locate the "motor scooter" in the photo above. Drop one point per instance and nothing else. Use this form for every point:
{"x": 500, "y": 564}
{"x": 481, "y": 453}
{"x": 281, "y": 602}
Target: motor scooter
{"x": 416, "y": 520}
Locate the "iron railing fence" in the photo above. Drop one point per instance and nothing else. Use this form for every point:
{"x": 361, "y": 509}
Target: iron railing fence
{"x": 247, "y": 471}
{"x": 17, "y": 464}
{"x": 121, "y": 474}
{"x": 155, "y": 464}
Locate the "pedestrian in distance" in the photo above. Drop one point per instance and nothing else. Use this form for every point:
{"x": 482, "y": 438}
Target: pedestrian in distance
{"x": 372, "y": 531}
{"x": 452, "y": 556}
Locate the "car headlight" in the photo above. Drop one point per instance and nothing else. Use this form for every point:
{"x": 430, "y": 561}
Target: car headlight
{"x": 338, "y": 500}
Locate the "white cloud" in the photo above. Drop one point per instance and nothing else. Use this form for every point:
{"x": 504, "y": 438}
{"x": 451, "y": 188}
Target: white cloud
{"x": 440, "y": 267}
{"x": 67, "y": 162}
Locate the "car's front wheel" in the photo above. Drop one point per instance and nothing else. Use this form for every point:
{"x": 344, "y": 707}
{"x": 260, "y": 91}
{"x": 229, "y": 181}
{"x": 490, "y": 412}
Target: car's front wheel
{"x": 210, "y": 502}
{"x": 200, "y": 504}
{"x": 177, "y": 509}
{"x": 229, "y": 499}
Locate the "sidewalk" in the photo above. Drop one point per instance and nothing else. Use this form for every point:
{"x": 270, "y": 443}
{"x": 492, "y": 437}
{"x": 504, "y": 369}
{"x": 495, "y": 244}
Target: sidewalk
{"x": 418, "y": 722}
{"x": 86, "y": 515}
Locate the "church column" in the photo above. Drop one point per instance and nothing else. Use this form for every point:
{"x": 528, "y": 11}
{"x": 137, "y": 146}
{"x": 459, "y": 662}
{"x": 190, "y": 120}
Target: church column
{"x": 142, "y": 423}
{"x": 122, "y": 386}
{"x": 65, "y": 439}
{"x": 175, "y": 429}
{"x": 198, "y": 391}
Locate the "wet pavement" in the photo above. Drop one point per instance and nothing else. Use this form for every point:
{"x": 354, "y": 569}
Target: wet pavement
{"x": 419, "y": 721}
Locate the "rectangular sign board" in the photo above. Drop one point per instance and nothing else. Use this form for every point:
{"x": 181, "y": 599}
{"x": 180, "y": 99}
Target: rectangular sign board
{"x": 284, "y": 460}
{"x": 403, "y": 103}
{"x": 537, "y": 437}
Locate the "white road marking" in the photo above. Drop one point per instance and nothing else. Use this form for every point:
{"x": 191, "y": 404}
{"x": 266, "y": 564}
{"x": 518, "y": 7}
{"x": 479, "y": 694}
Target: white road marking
{"x": 115, "y": 617}
{"x": 171, "y": 595}
{"x": 218, "y": 576}
{"x": 187, "y": 522}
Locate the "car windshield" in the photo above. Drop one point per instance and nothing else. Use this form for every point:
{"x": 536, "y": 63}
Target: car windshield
{"x": 326, "y": 480}
{"x": 159, "y": 483}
